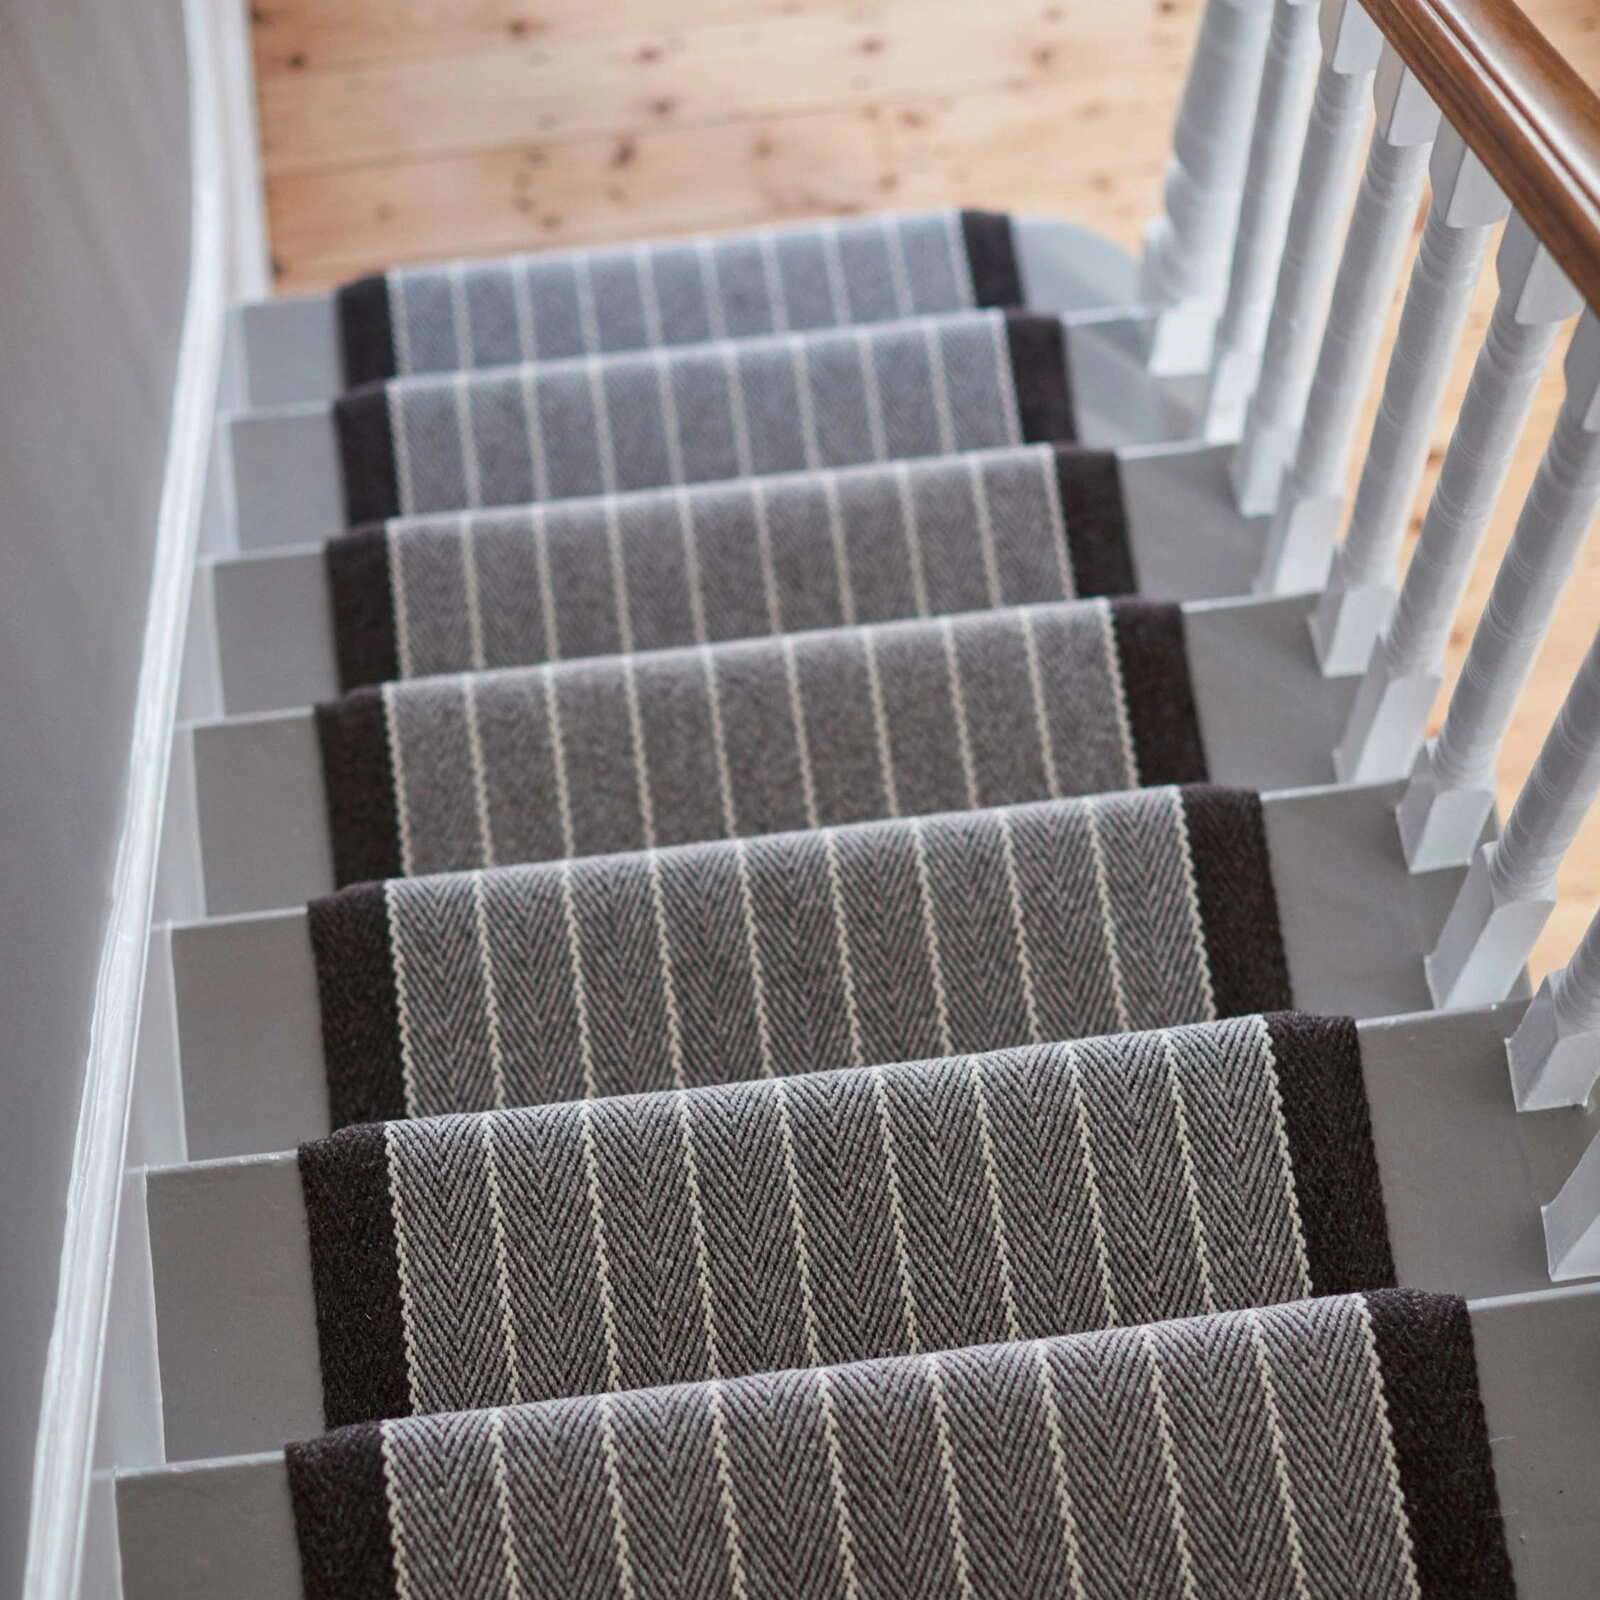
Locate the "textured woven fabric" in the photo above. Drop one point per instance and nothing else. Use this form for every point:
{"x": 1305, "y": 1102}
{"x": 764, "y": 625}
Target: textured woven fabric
{"x": 1252, "y": 1453}
{"x": 563, "y": 303}
{"x": 557, "y": 430}
{"x": 835, "y": 947}
{"x": 513, "y": 1256}
{"x": 674, "y": 746}
{"x": 461, "y": 591}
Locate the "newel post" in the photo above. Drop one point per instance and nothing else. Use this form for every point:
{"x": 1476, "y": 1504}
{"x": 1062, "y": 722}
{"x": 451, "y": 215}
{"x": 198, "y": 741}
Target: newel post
{"x": 1187, "y": 249}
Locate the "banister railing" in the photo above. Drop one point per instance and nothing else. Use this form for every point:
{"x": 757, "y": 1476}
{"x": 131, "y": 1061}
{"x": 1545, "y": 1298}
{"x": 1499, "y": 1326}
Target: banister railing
{"x": 1468, "y": 94}
{"x": 1530, "y": 118}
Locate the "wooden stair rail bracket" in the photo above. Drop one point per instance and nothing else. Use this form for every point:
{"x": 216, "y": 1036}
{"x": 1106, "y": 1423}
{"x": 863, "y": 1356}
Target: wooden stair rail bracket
{"x": 1525, "y": 113}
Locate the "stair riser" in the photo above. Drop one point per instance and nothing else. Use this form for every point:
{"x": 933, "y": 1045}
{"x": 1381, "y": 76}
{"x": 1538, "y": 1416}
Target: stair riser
{"x": 1269, "y": 720}
{"x": 251, "y": 1034}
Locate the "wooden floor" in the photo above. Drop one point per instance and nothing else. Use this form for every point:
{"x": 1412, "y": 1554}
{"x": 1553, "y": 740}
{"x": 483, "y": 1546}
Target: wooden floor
{"x": 398, "y": 130}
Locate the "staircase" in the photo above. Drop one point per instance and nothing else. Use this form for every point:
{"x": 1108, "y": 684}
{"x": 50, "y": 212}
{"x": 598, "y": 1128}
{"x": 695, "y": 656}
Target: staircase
{"x": 809, "y": 940}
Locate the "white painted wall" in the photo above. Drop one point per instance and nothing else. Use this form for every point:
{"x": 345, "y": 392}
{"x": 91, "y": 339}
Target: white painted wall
{"x": 94, "y": 176}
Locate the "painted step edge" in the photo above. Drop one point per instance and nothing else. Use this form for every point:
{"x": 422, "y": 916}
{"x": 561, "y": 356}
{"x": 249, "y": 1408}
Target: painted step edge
{"x": 292, "y": 352}
{"x": 274, "y": 614}
{"x": 1464, "y": 1177}
{"x": 289, "y": 486}
{"x": 216, "y": 1529}
{"x": 1355, "y": 925}
{"x": 1269, "y": 720}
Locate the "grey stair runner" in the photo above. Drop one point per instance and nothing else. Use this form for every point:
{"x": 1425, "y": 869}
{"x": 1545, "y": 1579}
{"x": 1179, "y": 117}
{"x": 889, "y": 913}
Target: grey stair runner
{"x": 834, "y": 947}
{"x": 1327, "y": 1448}
{"x": 557, "y": 430}
{"x": 766, "y": 736}
{"x": 461, "y": 591}
{"x": 526, "y": 1255}
{"x": 671, "y": 292}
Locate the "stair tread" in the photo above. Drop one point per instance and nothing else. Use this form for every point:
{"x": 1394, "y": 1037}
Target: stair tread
{"x": 558, "y": 430}
{"x": 875, "y": 941}
{"x": 649, "y": 294}
{"x": 766, "y": 736}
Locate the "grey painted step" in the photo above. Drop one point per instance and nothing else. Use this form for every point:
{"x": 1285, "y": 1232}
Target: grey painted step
{"x": 1355, "y": 926}
{"x": 274, "y": 618}
{"x": 288, "y": 489}
{"x": 1463, "y": 1177}
{"x": 1269, "y": 718}
{"x": 291, "y": 344}
{"x": 225, "y": 1528}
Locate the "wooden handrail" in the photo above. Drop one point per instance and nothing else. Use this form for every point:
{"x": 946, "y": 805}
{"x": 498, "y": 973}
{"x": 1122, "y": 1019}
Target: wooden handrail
{"x": 1531, "y": 120}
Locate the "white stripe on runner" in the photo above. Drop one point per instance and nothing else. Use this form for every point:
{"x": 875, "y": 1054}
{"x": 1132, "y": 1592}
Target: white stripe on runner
{"x": 897, "y": 1213}
{"x": 471, "y": 479}
{"x": 460, "y": 316}
{"x": 480, "y": 776}
{"x": 465, "y": 532}
{"x": 1280, "y": 1456}
{"x": 1191, "y": 1182}
{"x": 1108, "y": 921}
{"x": 502, "y": 1263}
{"x": 952, "y": 1486}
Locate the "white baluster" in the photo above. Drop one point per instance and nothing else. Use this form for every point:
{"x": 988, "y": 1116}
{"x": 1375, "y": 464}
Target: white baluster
{"x": 1187, "y": 249}
{"x": 1300, "y": 540}
{"x": 1275, "y": 146}
{"x": 1555, "y": 1052}
{"x": 1465, "y": 205}
{"x": 1510, "y": 889}
{"x": 1351, "y": 45}
{"x": 1451, "y": 793}
{"x": 1572, "y": 1222}
{"x": 1390, "y": 715}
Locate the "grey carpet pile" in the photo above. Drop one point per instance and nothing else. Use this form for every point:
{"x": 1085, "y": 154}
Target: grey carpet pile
{"x": 800, "y": 1031}
{"x": 513, "y": 1256}
{"x": 1323, "y": 1449}
{"x": 658, "y": 568}
{"x": 684, "y": 291}
{"x": 973, "y": 380}
{"x": 800, "y": 952}
{"x": 767, "y": 736}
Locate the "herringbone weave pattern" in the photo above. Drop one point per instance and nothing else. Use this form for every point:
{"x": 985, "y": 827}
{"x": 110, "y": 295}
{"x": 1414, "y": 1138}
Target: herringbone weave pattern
{"x": 462, "y": 591}
{"x": 555, "y": 430}
{"x": 1264, "y": 1452}
{"x": 669, "y": 747}
{"x": 834, "y": 947}
{"x": 536, "y": 1254}
{"x": 686, "y": 291}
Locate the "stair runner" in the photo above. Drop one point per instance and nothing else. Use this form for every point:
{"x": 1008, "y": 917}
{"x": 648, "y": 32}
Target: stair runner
{"x": 791, "y": 1082}
{"x": 689, "y": 291}
{"x": 462, "y": 591}
{"x": 674, "y": 746}
{"x": 797, "y": 952}
{"x": 556, "y": 430}
{"x": 1327, "y": 1448}
{"x": 718, "y": 1232}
